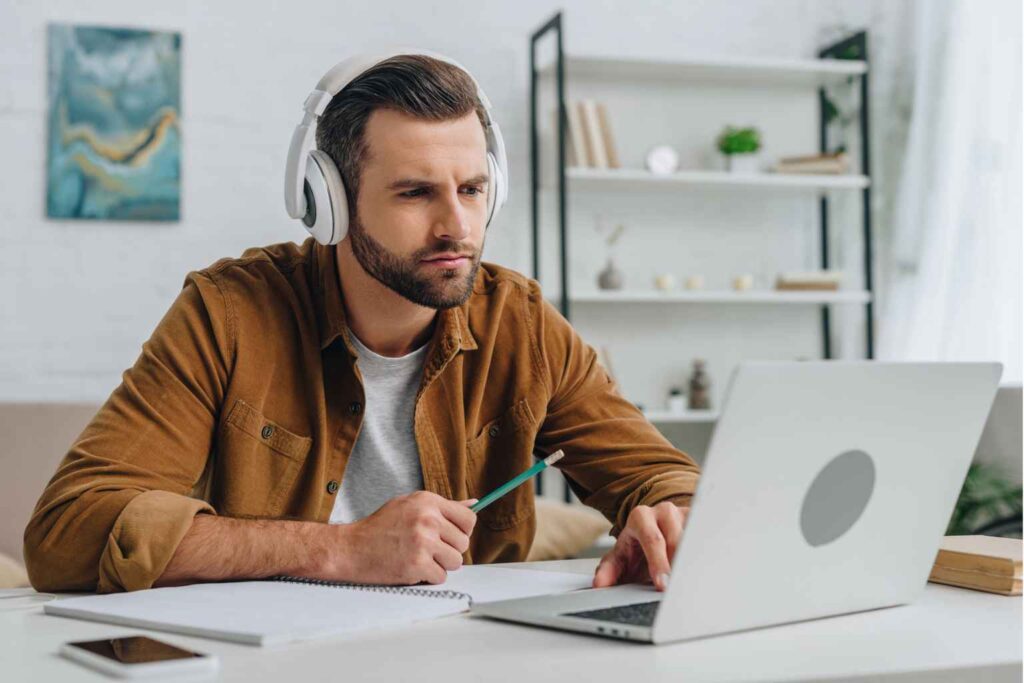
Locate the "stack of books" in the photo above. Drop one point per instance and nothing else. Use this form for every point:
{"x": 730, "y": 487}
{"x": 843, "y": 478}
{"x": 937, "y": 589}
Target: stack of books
{"x": 818, "y": 280}
{"x": 589, "y": 135}
{"x": 836, "y": 164}
{"x": 984, "y": 563}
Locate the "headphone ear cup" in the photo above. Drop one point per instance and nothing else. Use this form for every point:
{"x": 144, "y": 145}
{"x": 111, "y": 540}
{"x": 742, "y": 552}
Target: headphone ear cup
{"x": 326, "y": 216}
{"x": 497, "y": 183}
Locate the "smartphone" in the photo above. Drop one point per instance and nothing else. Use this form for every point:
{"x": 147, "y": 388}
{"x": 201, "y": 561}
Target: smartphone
{"x": 139, "y": 657}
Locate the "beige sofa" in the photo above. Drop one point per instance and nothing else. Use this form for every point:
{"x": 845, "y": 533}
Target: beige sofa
{"x": 36, "y": 437}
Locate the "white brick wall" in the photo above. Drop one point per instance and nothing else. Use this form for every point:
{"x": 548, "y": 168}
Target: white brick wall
{"x": 77, "y": 298}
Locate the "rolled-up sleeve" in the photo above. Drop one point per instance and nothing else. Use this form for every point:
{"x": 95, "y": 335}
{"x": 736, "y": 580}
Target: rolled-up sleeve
{"x": 615, "y": 459}
{"x": 119, "y": 504}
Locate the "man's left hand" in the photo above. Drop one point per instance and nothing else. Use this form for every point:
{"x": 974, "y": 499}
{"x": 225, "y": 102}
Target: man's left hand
{"x": 645, "y": 547}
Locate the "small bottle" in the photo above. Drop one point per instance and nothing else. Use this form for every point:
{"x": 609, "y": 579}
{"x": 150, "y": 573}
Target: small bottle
{"x": 700, "y": 386}
{"x": 676, "y": 401}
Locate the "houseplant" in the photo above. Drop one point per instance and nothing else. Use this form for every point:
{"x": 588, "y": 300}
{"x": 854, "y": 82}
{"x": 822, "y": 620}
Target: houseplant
{"x": 988, "y": 504}
{"x": 740, "y": 147}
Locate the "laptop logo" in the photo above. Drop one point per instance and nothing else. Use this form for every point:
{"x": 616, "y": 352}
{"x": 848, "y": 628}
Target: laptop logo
{"x": 837, "y": 497}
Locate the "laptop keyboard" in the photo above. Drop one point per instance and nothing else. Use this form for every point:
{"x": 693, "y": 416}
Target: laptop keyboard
{"x": 639, "y": 614}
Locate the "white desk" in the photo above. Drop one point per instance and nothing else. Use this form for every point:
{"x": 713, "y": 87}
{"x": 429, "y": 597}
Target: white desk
{"x": 949, "y": 635}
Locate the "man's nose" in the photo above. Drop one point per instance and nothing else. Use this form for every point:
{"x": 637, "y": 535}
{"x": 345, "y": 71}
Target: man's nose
{"x": 452, "y": 222}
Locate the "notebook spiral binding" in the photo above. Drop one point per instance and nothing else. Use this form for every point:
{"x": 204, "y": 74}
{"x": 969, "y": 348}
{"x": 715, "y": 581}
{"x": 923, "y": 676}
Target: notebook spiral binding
{"x": 377, "y": 588}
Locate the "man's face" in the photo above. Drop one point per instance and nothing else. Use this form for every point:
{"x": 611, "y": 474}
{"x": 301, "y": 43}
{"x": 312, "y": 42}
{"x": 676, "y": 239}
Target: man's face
{"x": 422, "y": 205}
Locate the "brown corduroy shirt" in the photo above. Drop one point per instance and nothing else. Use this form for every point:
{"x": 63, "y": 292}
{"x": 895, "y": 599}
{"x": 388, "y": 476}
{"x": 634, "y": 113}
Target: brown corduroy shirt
{"x": 245, "y": 402}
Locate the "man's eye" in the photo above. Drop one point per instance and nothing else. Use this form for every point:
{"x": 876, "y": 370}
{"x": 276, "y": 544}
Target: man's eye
{"x": 412, "y": 194}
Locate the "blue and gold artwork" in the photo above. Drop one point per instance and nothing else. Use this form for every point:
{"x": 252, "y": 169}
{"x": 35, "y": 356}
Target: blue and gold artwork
{"x": 114, "y": 128}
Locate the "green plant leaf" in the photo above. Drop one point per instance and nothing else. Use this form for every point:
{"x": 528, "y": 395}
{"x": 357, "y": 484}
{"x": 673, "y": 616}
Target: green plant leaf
{"x": 985, "y": 496}
{"x": 734, "y": 140}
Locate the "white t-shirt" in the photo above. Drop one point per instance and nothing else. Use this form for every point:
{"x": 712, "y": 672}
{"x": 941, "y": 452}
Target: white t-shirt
{"x": 385, "y": 461}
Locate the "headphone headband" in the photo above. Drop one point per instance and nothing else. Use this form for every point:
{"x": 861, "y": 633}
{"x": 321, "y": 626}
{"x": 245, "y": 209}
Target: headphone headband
{"x": 298, "y": 190}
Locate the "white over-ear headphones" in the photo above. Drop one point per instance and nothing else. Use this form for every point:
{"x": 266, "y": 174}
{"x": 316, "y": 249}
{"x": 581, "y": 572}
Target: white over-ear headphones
{"x": 317, "y": 196}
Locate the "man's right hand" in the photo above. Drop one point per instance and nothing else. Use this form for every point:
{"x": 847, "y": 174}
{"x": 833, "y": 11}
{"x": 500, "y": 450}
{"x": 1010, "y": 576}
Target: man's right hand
{"x": 410, "y": 539}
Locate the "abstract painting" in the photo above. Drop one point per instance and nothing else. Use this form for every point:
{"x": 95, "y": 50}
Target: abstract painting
{"x": 114, "y": 144}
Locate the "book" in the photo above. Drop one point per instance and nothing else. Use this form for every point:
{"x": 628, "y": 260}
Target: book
{"x": 286, "y": 609}
{"x": 592, "y": 134}
{"x": 606, "y": 136}
{"x": 805, "y": 158}
{"x": 989, "y": 554}
{"x": 991, "y": 583}
{"x": 986, "y": 563}
{"x": 837, "y": 163}
{"x": 819, "y": 280}
{"x": 576, "y": 136}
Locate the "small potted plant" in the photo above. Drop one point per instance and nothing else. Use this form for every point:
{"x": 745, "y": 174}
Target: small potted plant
{"x": 740, "y": 147}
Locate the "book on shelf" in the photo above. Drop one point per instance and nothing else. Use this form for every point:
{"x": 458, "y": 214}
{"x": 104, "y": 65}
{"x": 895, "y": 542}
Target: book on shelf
{"x": 985, "y": 563}
{"x": 606, "y": 136}
{"x": 818, "y": 280}
{"x": 836, "y": 164}
{"x": 589, "y": 140}
{"x": 576, "y": 138}
{"x": 596, "y": 154}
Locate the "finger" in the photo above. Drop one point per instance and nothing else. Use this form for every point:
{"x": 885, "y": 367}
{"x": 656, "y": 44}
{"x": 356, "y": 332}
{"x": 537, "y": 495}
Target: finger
{"x": 458, "y": 514}
{"x": 434, "y": 573}
{"x": 670, "y": 521}
{"x": 453, "y": 536}
{"x": 469, "y": 502}
{"x": 609, "y": 569}
{"x": 652, "y": 542}
{"x": 447, "y": 557}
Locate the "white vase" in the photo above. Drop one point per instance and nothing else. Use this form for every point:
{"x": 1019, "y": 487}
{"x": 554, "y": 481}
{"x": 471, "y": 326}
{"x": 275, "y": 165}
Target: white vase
{"x": 744, "y": 163}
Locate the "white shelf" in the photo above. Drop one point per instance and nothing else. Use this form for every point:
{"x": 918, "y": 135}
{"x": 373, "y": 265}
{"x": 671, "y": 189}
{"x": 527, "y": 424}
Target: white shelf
{"x": 688, "y": 417}
{"x": 741, "y": 71}
{"x": 758, "y": 296}
{"x": 625, "y": 178}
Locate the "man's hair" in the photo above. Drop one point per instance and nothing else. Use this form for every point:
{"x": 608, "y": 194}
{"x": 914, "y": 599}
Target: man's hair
{"x": 417, "y": 85}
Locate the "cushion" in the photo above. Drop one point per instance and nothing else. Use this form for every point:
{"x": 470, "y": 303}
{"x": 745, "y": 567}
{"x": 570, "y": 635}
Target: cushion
{"x": 564, "y": 530}
{"x": 12, "y": 574}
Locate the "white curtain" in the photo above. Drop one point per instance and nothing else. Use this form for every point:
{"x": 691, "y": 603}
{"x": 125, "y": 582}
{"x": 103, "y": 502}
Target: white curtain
{"x": 955, "y": 286}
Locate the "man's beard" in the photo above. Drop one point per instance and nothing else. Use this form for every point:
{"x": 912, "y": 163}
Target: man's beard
{"x": 446, "y": 290}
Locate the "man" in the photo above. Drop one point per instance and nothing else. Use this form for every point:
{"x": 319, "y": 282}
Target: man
{"x": 333, "y": 411}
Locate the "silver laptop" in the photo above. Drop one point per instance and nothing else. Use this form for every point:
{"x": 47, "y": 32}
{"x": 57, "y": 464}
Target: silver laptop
{"x": 826, "y": 489}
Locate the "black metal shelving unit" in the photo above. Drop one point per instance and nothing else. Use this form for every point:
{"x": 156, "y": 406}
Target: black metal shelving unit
{"x": 854, "y": 47}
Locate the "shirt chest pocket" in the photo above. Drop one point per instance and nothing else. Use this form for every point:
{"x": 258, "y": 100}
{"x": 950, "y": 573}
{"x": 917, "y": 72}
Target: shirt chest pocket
{"x": 502, "y": 449}
{"x": 257, "y": 463}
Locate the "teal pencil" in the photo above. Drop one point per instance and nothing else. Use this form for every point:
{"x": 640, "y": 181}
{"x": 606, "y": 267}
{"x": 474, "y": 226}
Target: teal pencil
{"x": 516, "y": 481}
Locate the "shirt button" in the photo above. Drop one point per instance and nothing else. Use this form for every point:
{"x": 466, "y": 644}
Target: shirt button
{"x": 267, "y": 432}
{"x": 332, "y": 487}
{"x": 354, "y": 407}
{"x": 494, "y": 430}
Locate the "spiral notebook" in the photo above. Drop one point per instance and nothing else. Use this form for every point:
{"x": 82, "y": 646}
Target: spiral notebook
{"x": 286, "y": 609}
